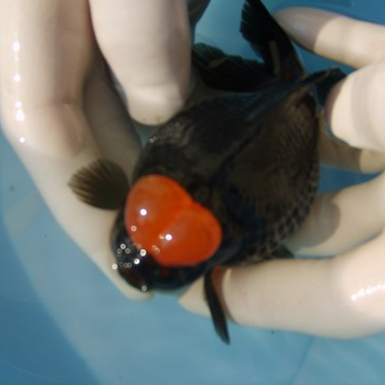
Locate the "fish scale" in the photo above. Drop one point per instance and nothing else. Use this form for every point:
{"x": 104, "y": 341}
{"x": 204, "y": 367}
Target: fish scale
{"x": 282, "y": 228}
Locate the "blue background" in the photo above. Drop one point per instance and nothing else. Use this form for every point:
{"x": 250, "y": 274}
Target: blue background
{"x": 63, "y": 322}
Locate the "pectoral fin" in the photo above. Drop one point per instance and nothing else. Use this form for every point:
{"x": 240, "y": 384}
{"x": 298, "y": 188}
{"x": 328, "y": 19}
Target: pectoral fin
{"x": 101, "y": 184}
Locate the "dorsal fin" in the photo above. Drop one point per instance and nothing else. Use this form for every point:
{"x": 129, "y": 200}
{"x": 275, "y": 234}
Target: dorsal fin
{"x": 299, "y": 91}
{"x": 324, "y": 86}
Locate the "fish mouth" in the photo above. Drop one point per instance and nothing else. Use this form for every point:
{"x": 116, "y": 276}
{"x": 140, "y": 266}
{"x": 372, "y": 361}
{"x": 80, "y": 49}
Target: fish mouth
{"x": 141, "y": 270}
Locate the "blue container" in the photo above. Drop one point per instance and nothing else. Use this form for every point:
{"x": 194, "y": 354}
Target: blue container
{"x": 62, "y": 322}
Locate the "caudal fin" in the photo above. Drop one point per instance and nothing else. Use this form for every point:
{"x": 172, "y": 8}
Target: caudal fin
{"x": 228, "y": 72}
{"x": 269, "y": 40}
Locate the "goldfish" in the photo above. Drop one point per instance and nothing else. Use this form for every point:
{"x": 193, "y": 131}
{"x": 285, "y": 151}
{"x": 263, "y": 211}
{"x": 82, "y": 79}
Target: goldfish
{"x": 226, "y": 181}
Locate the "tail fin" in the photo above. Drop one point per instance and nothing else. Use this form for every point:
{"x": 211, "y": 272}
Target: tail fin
{"x": 227, "y": 72}
{"x": 269, "y": 40}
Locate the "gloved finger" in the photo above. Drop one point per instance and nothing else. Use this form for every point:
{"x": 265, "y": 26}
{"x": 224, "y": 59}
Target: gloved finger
{"x": 338, "y": 154}
{"x": 354, "y": 108}
{"x": 341, "y": 220}
{"x": 46, "y": 52}
{"x": 147, "y": 45}
{"x": 109, "y": 120}
{"x": 340, "y": 38}
{"x": 341, "y": 297}
{"x": 42, "y": 43}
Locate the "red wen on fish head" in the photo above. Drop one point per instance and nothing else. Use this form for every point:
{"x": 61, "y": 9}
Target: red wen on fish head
{"x": 162, "y": 218}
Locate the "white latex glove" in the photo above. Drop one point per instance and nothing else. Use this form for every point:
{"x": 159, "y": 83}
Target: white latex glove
{"x": 343, "y": 296}
{"x": 58, "y": 109}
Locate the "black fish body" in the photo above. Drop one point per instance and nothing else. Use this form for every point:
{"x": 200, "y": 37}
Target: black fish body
{"x": 226, "y": 181}
{"x": 250, "y": 158}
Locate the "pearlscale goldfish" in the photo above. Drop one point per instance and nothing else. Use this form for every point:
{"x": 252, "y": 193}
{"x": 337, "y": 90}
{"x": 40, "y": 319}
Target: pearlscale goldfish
{"x": 226, "y": 181}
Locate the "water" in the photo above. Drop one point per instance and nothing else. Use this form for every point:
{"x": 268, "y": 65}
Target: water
{"x": 63, "y": 322}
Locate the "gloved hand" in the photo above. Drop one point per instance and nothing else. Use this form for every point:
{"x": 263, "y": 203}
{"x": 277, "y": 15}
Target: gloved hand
{"x": 342, "y": 296}
{"x": 58, "y": 108}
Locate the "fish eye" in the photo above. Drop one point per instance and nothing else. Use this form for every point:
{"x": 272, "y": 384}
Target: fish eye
{"x": 163, "y": 220}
